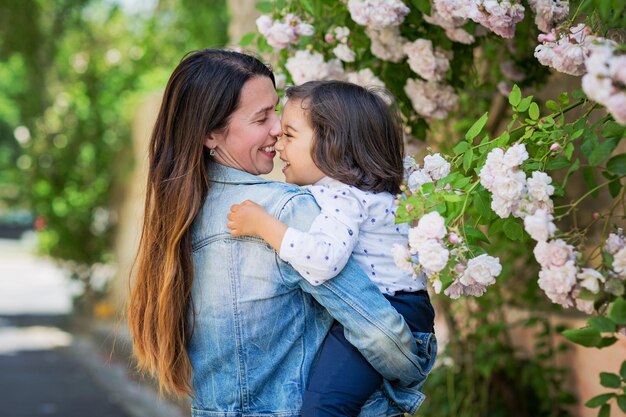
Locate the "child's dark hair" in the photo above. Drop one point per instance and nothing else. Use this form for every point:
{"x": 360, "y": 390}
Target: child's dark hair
{"x": 357, "y": 135}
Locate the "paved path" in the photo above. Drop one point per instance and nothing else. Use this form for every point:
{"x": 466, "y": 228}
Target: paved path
{"x": 46, "y": 369}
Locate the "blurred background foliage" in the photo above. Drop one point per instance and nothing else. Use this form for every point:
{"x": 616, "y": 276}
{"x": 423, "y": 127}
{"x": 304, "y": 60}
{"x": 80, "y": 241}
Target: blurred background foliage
{"x": 71, "y": 73}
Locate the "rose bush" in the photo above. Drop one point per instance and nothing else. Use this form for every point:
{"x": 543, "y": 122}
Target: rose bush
{"x": 506, "y": 178}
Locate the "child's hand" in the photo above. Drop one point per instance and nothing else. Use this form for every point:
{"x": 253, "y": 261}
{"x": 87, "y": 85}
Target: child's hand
{"x": 245, "y": 218}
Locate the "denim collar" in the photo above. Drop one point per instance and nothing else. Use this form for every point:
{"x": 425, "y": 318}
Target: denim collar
{"x": 223, "y": 174}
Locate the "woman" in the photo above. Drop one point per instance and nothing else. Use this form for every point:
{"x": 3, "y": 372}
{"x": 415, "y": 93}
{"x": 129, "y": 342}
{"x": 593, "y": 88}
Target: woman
{"x": 223, "y": 318}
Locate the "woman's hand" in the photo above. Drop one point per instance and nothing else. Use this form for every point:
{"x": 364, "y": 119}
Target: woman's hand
{"x": 245, "y": 218}
{"x": 248, "y": 218}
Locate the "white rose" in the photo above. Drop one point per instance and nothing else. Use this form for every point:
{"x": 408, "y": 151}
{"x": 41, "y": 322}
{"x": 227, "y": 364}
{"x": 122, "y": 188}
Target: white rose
{"x": 437, "y": 285}
{"x": 481, "y": 270}
{"x": 619, "y": 262}
{"x": 432, "y": 256}
{"x": 342, "y": 33}
{"x": 515, "y": 155}
{"x": 614, "y": 243}
{"x": 402, "y": 258}
{"x": 343, "y": 52}
{"x": 436, "y": 166}
{"x": 539, "y": 187}
{"x": 509, "y": 187}
{"x": 558, "y": 280}
{"x": 455, "y": 290}
{"x": 539, "y": 225}
{"x": 590, "y": 279}
{"x": 554, "y": 253}
{"x": 417, "y": 179}
{"x": 263, "y": 24}
{"x": 432, "y": 226}
{"x": 304, "y": 29}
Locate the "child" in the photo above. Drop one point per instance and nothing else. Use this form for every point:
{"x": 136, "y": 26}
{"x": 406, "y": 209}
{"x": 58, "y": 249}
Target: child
{"x": 345, "y": 143}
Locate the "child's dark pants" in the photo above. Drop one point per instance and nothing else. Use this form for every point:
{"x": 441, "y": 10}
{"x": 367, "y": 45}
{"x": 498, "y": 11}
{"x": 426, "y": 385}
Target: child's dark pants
{"x": 341, "y": 380}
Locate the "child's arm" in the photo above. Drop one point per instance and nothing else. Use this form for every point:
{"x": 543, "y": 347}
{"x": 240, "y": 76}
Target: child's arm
{"x": 318, "y": 254}
{"x": 248, "y": 218}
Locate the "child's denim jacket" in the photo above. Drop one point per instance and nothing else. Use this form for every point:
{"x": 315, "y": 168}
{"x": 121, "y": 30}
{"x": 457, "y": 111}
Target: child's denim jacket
{"x": 257, "y": 324}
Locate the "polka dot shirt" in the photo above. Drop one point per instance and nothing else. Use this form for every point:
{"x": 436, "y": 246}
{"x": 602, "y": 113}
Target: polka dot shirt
{"x": 351, "y": 222}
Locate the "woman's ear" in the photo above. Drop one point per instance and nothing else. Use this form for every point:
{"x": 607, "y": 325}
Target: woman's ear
{"x": 213, "y": 140}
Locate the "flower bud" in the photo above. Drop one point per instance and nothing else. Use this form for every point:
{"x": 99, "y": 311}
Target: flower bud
{"x": 555, "y": 147}
{"x": 596, "y": 215}
{"x": 454, "y": 238}
{"x": 409, "y": 208}
{"x": 329, "y": 38}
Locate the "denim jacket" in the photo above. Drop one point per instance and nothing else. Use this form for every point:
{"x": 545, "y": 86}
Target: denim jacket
{"x": 257, "y": 324}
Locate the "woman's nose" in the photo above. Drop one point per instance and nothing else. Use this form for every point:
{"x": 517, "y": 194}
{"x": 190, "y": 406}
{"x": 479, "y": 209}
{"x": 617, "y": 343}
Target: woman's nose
{"x": 276, "y": 129}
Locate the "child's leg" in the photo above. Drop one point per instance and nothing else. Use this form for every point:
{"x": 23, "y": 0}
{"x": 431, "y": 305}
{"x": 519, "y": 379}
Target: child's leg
{"x": 341, "y": 380}
{"x": 416, "y": 309}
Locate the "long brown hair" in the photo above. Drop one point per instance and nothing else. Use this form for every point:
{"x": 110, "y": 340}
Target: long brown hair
{"x": 202, "y": 93}
{"x": 357, "y": 135}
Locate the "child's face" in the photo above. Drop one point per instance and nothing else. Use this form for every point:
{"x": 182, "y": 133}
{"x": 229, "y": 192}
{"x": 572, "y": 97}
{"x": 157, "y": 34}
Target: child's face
{"x": 295, "y": 146}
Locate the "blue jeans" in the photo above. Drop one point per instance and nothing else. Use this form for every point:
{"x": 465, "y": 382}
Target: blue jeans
{"x": 342, "y": 380}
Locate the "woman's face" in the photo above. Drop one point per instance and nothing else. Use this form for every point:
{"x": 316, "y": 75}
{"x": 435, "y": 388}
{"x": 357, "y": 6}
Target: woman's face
{"x": 296, "y": 145}
{"x": 248, "y": 141}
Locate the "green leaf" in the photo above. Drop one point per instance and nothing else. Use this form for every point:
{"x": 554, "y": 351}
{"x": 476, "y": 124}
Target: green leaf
{"x": 605, "y": 411}
{"x": 610, "y": 380}
{"x": 613, "y": 130}
{"x": 496, "y": 226}
{"x": 467, "y": 159}
{"x": 423, "y": 6}
{"x": 563, "y": 99}
{"x": 515, "y": 96}
{"x": 503, "y": 140}
{"x": 615, "y": 187}
{"x": 577, "y": 133}
{"x": 513, "y": 230}
{"x": 598, "y": 400}
{"x": 617, "y": 165}
{"x": 306, "y": 4}
{"x": 264, "y": 7}
{"x": 533, "y": 111}
{"x": 622, "y": 371}
{"x": 587, "y": 336}
{"x": 247, "y": 39}
{"x": 524, "y": 104}
{"x": 569, "y": 150}
{"x": 553, "y": 105}
{"x": 460, "y": 148}
{"x": 606, "y": 341}
{"x": 477, "y": 127}
{"x": 571, "y": 170}
{"x": 602, "y": 151}
{"x": 604, "y": 9}
{"x": 481, "y": 201}
{"x": 590, "y": 180}
{"x": 617, "y": 311}
{"x": 602, "y": 324}
{"x": 621, "y": 402}
{"x": 475, "y": 234}
{"x": 557, "y": 163}
{"x": 461, "y": 182}
{"x": 453, "y": 198}
{"x": 578, "y": 94}
{"x": 427, "y": 188}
